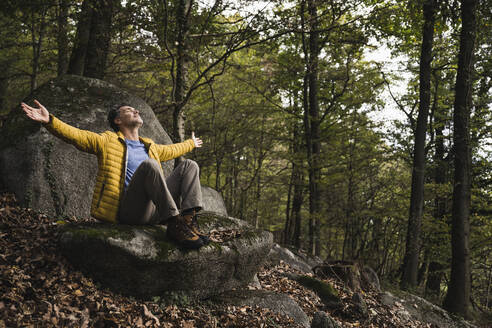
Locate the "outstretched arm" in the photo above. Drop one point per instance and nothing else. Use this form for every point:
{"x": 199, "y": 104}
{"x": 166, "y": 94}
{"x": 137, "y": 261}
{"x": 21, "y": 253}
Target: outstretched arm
{"x": 39, "y": 114}
{"x": 84, "y": 140}
{"x": 167, "y": 152}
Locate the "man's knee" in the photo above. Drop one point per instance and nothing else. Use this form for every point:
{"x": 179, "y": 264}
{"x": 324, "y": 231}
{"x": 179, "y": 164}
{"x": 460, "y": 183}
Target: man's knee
{"x": 190, "y": 164}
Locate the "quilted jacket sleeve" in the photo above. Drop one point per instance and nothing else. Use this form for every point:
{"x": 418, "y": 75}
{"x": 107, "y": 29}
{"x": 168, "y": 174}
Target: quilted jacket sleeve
{"x": 167, "y": 152}
{"x": 84, "y": 140}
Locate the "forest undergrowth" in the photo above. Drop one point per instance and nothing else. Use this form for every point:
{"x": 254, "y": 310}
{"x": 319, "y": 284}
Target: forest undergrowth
{"x": 40, "y": 288}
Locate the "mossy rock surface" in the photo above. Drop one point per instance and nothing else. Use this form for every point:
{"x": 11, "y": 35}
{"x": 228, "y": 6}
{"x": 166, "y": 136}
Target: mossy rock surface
{"x": 324, "y": 290}
{"x": 141, "y": 261}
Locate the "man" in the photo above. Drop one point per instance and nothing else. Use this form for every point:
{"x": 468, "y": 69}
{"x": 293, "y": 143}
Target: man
{"x": 130, "y": 185}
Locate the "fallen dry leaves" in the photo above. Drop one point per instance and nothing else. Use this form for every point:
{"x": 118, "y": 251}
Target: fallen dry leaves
{"x": 223, "y": 235}
{"x": 39, "y": 288}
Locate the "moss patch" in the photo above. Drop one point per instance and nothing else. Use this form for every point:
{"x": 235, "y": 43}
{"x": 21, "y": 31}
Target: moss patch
{"x": 164, "y": 246}
{"x": 99, "y": 231}
{"x": 102, "y": 231}
{"x": 324, "y": 290}
{"x": 174, "y": 297}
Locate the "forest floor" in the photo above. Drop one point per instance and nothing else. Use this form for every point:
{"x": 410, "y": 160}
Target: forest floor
{"x": 40, "y": 288}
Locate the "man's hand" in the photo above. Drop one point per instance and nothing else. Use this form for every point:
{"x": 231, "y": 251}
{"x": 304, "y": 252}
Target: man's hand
{"x": 198, "y": 142}
{"x": 39, "y": 114}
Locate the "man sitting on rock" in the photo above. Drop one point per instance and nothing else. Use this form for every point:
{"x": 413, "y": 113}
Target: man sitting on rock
{"x": 130, "y": 185}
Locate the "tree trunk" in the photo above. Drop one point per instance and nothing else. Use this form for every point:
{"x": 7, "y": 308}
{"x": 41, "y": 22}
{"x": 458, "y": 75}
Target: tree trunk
{"x": 297, "y": 181}
{"x": 296, "y": 206}
{"x": 314, "y": 120}
{"x": 259, "y": 164}
{"x": 257, "y": 200}
{"x": 440, "y": 174}
{"x": 377, "y": 262}
{"x": 288, "y": 226}
{"x": 434, "y": 279}
{"x": 411, "y": 259}
{"x": 435, "y": 275}
{"x": 62, "y": 37}
{"x": 307, "y": 121}
{"x": 488, "y": 287}
{"x": 457, "y": 299}
{"x": 423, "y": 270}
{"x": 228, "y": 192}
{"x": 36, "y": 45}
{"x": 217, "y": 174}
{"x": 77, "y": 58}
{"x": 350, "y": 241}
{"x": 99, "y": 38}
{"x": 4, "y": 84}
{"x": 182, "y": 15}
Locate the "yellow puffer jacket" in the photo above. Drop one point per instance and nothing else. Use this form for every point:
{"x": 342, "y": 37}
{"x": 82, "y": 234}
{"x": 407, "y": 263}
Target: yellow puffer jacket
{"x": 110, "y": 149}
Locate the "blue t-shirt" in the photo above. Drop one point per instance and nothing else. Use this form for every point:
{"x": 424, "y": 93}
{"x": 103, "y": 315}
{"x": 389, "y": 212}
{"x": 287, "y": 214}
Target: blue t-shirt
{"x": 136, "y": 155}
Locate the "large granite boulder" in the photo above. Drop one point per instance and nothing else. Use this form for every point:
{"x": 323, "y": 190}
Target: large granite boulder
{"x": 213, "y": 201}
{"x": 140, "y": 261}
{"x": 52, "y": 176}
{"x": 294, "y": 258}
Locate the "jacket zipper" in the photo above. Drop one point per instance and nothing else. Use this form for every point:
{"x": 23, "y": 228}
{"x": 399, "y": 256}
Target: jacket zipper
{"x": 124, "y": 169}
{"x": 123, "y": 175}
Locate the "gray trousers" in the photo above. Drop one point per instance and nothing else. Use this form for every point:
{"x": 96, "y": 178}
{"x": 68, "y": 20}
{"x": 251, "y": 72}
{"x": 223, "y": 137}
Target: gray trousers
{"x": 151, "y": 199}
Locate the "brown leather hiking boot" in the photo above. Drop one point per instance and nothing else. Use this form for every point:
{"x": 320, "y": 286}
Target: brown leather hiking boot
{"x": 181, "y": 233}
{"x": 192, "y": 222}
